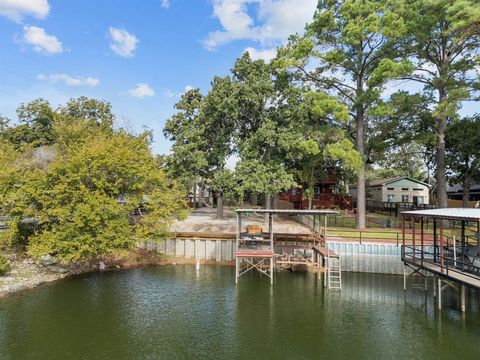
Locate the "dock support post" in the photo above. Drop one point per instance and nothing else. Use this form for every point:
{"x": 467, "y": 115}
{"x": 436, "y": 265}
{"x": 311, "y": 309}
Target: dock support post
{"x": 462, "y": 298}
{"x": 325, "y": 272}
{"x": 237, "y": 269}
{"x": 404, "y": 279}
{"x": 434, "y": 287}
{"x": 439, "y": 294}
{"x": 271, "y": 271}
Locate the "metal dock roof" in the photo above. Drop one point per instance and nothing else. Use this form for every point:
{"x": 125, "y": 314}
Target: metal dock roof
{"x": 447, "y": 213}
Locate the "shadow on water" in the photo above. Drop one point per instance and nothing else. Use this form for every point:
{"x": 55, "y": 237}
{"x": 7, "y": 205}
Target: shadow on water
{"x": 177, "y": 312}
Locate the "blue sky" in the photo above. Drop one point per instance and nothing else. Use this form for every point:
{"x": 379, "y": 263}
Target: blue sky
{"x": 140, "y": 55}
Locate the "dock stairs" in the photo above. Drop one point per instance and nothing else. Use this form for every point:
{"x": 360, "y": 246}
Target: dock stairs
{"x": 334, "y": 272}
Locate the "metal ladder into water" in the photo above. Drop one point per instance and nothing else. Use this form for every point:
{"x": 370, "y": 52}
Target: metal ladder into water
{"x": 334, "y": 273}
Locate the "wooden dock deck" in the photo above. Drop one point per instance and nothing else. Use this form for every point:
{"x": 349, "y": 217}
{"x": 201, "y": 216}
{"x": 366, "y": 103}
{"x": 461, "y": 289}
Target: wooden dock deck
{"x": 448, "y": 273}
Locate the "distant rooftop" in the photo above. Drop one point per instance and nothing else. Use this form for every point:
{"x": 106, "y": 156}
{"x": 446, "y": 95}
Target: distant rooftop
{"x": 447, "y": 213}
{"x": 381, "y": 182}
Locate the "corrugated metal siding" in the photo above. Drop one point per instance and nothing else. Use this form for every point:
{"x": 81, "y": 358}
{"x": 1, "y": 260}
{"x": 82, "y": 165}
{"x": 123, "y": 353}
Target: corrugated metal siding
{"x": 355, "y": 257}
{"x": 370, "y": 257}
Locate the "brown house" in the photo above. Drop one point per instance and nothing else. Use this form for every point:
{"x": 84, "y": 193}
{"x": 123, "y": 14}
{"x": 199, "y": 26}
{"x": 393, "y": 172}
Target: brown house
{"x": 325, "y": 196}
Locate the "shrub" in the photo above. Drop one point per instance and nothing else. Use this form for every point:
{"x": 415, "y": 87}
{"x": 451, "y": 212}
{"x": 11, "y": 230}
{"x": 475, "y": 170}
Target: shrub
{"x": 4, "y": 265}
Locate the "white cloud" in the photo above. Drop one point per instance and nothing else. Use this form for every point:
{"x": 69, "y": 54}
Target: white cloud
{"x": 165, "y": 4}
{"x": 188, "y": 88}
{"x": 141, "y": 90}
{"x": 272, "y": 22}
{"x": 16, "y": 10}
{"x": 69, "y": 80}
{"x": 41, "y": 41}
{"x": 266, "y": 54}
{"x": 123, "y": 43}
{"x": 168, "y": 94}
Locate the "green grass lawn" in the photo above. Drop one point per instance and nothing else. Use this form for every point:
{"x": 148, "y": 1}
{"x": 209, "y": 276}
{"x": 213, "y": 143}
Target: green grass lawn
{"x": 371, "y": 233}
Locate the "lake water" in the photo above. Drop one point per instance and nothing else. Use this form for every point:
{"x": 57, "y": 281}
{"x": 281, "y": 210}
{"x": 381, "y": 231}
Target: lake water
{"x": 175, "y": 312}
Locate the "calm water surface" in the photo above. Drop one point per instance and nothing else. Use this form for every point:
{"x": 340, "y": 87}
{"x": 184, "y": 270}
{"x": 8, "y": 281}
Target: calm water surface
{"x": 176, "y": 313}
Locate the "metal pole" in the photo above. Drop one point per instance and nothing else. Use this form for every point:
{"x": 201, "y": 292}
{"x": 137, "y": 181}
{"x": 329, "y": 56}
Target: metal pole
{"x": 439, "y": 294}
{"x": 435, "y": 244}
{"x": 463, "y": 245}
{"x": 413, "y": 236}
{"x": 237, "y": 269}
{"x": 462, "y": 298}
{"x": 404, "y": 279}
{"x": 421, "y": 240}
{"x": 442, "y": 260}
{"x": 270, "y": 225}
{"x": 454, "y": 251}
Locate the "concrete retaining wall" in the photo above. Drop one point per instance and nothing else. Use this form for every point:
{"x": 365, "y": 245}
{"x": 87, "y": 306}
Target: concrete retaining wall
{"x": 369, "y": 257}
{"x": 355, "y": 257}
{"x": 200, "y": 249}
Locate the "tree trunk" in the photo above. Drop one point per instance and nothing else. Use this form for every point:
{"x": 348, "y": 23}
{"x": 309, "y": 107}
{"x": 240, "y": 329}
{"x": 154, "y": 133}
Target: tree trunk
{"x": 219, "y": 205}
{"x": 360, "y": 145}
{"x": 254, "y": 199}
{"x": 310, "y": 203}
{"x": 268, "y": 205}
{"x": 200, "y": 195}
{"x": 195, "y": 195}
{"x": 441, "y": 163}
{"x": 467, "y": 182}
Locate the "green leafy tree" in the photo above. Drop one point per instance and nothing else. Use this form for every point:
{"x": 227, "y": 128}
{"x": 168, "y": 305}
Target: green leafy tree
{"x": 444, "y": 52}
{"x": 349, "y": 50}
{"x": 202, "y": 132}
{"x": 260, "y": 129}
{"x": 95, "y": 112}
{"x": 187, "y": 161}
{"x": 35, "y": 125}
{"x": 227, "y": 187}
{"x": 463, "y": 153}
{"x": 402, "y": 160}
{"x": 92, "y": 195}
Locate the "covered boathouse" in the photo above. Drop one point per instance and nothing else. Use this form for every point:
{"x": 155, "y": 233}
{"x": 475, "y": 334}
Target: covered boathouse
{"x": 446, "y": 244}
{"x": 261, "y": 251}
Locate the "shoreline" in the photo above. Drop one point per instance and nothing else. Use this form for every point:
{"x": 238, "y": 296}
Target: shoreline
{"x": 26, "y": 273}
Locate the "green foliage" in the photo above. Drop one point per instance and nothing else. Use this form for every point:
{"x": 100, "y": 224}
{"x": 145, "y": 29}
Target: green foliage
{"x": 95, "y": 191}
{"x": 4, "y": 265}
{"x": 349, "y": 53}
{"x": 35, "y": 125}
{"x": 264, "y": 177}
{"x": 444, "y": 46}
{"x": 404, "y": 160}
{"x": 463, "y": 150}
{"x": 226, "y": 183}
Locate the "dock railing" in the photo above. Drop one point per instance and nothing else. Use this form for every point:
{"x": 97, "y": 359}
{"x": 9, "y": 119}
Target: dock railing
{"x": 446, "y": 264}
